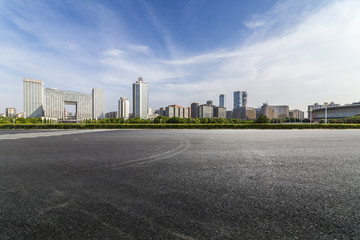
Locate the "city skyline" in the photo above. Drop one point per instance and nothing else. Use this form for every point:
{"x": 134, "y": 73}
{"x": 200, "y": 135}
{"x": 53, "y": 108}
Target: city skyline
{"x": 281, "y": 52}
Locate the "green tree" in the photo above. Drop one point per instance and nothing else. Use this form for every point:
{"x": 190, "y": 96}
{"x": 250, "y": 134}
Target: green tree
{"x": 262, "y": 119}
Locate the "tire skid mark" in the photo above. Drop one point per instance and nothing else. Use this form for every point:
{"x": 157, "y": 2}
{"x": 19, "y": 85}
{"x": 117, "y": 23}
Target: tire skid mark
{"x": 131, "y": 161}
{"x": 184, "y": 145}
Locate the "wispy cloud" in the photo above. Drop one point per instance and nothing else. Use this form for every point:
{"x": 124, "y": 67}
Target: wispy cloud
{"x": 139, "y": 48}
{"x": 297, "y": 62}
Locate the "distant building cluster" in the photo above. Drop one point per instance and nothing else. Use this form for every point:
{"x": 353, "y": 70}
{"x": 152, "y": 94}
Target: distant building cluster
{"x": 52, "y": 103}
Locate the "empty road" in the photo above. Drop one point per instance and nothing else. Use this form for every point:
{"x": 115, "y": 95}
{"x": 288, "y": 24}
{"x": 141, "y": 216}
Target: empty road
{"x": 180, "y": 184}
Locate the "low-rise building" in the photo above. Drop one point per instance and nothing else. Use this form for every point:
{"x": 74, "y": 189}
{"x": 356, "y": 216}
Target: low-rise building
{"x": 319, "y": 106}
{"x": 20, "y": 115}
{"x": 336, "y": 112}
{"x": 10, "y": 112}
{"x": 111, "y": 115}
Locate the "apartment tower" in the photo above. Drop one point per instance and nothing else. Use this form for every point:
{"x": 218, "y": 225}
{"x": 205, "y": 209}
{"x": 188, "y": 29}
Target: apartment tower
{"x": 140, "y": 99}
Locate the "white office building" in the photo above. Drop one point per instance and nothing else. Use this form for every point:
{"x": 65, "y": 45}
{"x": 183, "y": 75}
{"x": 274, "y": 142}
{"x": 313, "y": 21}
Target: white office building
{"x": 140, "y": 99}
{"x": 60, "y": 104}
{"x": 33, "y": 98}
{"x": 124, "y": 108}
{"x": 98, "y": 103}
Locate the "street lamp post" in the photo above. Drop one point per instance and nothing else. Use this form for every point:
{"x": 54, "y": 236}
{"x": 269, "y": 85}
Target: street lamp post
{"x": 325, "y": 104}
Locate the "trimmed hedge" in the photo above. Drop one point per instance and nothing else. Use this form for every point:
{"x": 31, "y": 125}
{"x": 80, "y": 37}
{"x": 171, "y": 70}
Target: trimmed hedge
{"x": 180, "y": 126}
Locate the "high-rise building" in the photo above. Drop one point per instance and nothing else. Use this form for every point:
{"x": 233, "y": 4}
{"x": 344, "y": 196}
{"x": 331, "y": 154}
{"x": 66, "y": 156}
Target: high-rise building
{"x": 140, "y": 98}
{"x": 98, "y": 103}
{"x": 10, "y": 112}
{"x": 124, "y": 108}
{"x": 195, "y": 110}
{"x": 187, "y": 112}
{"x": 222, "y": 100}
{"x": 206, "y": 111}
{"x": 240, "y": 99}
{"x": 33, "y": 98}
{"x": 209, "y": 102}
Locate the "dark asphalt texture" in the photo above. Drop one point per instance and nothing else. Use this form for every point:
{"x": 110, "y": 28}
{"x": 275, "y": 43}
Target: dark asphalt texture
{"x": 182, "y": 184}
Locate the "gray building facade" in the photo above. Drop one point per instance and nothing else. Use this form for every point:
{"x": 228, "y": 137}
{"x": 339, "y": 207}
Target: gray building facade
{"x": 219, "y": 112}
{"x": 206, "y": 111}
{"x": 194, "y": 110}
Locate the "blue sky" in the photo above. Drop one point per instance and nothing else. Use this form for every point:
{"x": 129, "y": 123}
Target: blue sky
{"x": 284, "y": 52}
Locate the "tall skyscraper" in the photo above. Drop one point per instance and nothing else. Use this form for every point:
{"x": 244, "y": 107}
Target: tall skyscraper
{"x": 222, "y": 100}
{"x": 240, "y": 99}
{"x": 98, "y": 103}
{"x": 33, "y": 98}
{"x": 124, "y": 108}
{"x": 140, "y": 99}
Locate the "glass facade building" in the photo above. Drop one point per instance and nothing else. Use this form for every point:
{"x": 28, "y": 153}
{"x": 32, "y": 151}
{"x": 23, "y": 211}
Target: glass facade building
{"x": 33, "y": 91}
{"x": 240, "y": 99}
{"x": 222, "y": 100}
{"x": 140, "y": 99}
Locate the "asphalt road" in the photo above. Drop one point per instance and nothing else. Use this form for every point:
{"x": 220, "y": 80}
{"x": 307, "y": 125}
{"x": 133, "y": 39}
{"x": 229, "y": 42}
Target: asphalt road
{"x": 180, "y": 184}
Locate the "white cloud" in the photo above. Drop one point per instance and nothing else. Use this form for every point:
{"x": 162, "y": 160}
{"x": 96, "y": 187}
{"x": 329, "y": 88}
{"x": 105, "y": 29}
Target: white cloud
{"x": 254, "y": 24}
{"x": 315, "y": 59}
{"x": 140, "y": 48}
